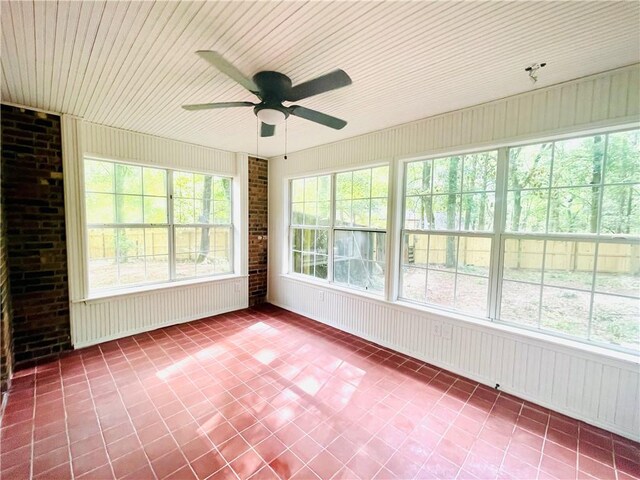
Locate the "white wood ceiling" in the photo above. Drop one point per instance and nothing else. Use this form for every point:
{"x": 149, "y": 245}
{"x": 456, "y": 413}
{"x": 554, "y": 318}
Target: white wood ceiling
{"x": 132, "y": 64}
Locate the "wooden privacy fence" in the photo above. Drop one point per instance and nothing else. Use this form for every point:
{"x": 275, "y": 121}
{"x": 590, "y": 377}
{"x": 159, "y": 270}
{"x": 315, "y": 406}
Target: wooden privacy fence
{"x": 527, "y": 254}
{"x": 102, "y": 243}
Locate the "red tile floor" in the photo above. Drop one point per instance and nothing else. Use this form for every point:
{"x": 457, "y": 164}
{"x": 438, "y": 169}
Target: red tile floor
{"x": 265, "y": 393}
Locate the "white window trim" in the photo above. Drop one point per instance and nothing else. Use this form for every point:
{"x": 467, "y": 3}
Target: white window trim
{"x": 395, "y": 223}
{"x": 499, "y": 233}
{"x": 494, "y": 234}
{"x": 154, "y": 287}
{"x": 332, "y": 227}
{"x": 238, "y": 226}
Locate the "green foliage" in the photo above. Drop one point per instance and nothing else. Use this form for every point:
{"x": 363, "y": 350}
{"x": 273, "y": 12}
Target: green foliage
{"x": 154, "y": 182}
{"x": 623, "y": 158}
{"x": 311, "y": 200}
{"x": 621, "y": 209}
{"x": 297, "y": 190}
{"x": 577, "y": 182}
{"x": 128, "y": 179}
{"x": 583, "y": 185}
{"x": 452, "y": 205}
{"x": 119, "y": 193}
{"x": 361, "y": 197}
{"x": 99, "y": 176}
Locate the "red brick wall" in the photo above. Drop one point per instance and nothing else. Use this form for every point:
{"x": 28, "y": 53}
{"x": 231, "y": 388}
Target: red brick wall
{"x": 258, "y": 217}
{"x": 34, "y": 215}
{"x": 6, "y": 334}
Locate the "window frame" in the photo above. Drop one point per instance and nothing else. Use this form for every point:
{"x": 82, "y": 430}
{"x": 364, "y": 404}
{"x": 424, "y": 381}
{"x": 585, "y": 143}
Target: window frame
{"x": 170, "y": 227}
{"x": 332, "y": 228}
{"x": 458, "y": 234}
{"x": 499, "y": 234}
{"x": 396, "y": 206}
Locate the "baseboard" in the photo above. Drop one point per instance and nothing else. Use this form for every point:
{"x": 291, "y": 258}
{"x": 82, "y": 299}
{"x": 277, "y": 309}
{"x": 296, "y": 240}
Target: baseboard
{"x": 484, "y": 381}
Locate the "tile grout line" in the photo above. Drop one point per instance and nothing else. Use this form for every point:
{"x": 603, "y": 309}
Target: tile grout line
{"x": 128, "y": 416}
{"x": 238, "y": 369}
{"x": 184, "y": 406}
{"x": 95, "y": 411}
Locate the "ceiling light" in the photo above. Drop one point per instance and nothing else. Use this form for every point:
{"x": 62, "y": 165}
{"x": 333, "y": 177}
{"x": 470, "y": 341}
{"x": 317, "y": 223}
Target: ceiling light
{"x": 271, "y": 116}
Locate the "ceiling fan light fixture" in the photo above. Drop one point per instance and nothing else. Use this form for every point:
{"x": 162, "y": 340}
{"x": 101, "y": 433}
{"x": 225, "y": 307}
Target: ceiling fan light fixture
{"x": 273, "y": 89}
{"x": 271, "y": 116}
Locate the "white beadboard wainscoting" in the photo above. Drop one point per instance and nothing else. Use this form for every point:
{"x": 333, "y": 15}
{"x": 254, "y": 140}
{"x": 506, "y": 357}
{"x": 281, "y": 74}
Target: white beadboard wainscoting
{"x": 590, "y": 384}
{"x": 95, "y": 320}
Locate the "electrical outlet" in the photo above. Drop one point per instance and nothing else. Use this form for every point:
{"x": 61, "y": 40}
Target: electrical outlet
{"x": 437, "y": 329}
{"x": 321, "y": 295}
{"x": 447, "y": 330}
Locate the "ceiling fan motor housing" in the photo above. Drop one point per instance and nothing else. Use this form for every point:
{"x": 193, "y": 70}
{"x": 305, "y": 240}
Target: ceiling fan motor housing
{"x": 274, "y": 87}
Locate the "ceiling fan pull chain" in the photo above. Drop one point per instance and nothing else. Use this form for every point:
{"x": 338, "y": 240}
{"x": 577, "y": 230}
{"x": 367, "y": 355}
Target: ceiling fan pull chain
{"x": 286, "y": 136}
{"x": 257, "y": 135}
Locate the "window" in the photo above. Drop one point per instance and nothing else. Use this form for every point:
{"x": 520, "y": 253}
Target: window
{"x": 359, "y": 259}
{"x": 140, "y": 233}
{"x": 571, "y": 243}
{"x": 202, "y": 224}
{"x": 550, "y": 241}
{"x": 310, "y": 209}
{"x": 350, "y": 223}
{"x": 543, "y": 236}
{"x": 447, "y": 236}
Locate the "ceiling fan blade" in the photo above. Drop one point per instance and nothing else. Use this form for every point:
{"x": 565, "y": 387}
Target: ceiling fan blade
{"x": 318, "y": 117}
{"x": 210, "y": 106}
{"x": 267, "y": 130}
{"x": 325, "y": 83}
{"x": 218, "y": 61}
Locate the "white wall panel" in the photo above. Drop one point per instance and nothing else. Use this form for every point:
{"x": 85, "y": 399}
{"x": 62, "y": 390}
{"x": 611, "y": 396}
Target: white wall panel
{"x": 598, "y": 388}
{"x": 99, "y": 320}
{"x": 115, "y": 143}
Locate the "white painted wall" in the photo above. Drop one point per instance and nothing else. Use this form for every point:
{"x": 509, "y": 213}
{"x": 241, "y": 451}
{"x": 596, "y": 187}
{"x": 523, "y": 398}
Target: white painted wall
{"x": 594, "y": 385}
{"x": 98, "y": 320}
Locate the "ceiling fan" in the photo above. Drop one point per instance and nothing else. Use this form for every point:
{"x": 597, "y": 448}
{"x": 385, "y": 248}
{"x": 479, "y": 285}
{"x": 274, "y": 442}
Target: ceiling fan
{"x": 274, "y": 88}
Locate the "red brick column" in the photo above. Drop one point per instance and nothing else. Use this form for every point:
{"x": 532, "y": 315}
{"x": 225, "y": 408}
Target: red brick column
{"x": 33, "y": 201}
{"x": 258, "y": 230}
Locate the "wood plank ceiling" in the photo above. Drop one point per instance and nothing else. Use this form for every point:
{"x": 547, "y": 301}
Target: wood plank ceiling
{"x": 132, "y": 64}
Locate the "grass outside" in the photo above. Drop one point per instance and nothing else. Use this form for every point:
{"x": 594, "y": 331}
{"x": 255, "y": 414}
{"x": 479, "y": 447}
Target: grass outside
{"x": 615, "y": 320}
{"x": 105, "y": 273}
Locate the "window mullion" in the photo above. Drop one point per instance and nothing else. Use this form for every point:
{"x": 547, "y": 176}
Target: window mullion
{"x": 546, "y": 242}
{"x": 597, "y": 232}
{"x": 497, "y": 251}
{"x": 393, "y": 233}
{"x": 172, "y": 231}
{"x": 332, "y": 220}
{"x": 290, "y": 265}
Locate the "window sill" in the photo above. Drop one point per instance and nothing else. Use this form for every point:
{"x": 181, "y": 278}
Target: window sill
{"x": 144, "y": 289}
{"x": 518, "y": 334}
{"x": 511, "y": 330}
{"x": 334, "y": 286}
